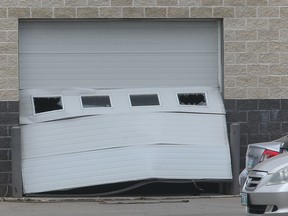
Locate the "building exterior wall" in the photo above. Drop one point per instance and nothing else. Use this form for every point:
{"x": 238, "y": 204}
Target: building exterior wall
{"x": 260, "y": 119}
{"x": 9, "y": 116}
{"x": 255, "y": 34}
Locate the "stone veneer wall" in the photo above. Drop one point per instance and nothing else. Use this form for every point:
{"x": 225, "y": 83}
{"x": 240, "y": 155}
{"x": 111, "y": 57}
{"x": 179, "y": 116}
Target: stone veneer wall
{"x": 255, "y": 51}
{"x": 255, "y": 36}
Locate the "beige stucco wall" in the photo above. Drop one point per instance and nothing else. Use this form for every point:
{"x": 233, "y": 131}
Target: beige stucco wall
{"x": 255, "y": 36}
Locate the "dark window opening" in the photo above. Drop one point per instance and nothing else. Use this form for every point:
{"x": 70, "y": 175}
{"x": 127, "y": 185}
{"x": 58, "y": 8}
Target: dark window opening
{"x": 96, "y": 101}
{"x": 144, "y": 100}
{"x": 152, "y": 187}
{"x": 192, "y": 99}
{"x": 47, "y": 104}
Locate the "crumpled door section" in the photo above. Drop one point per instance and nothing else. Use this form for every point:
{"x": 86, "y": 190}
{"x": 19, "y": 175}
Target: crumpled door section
{"x": 75, "y": 138}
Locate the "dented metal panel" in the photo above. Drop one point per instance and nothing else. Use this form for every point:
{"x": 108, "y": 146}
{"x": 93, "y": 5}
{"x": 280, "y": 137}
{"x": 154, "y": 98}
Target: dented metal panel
{"x": 75, "y": 147}
{"x": 120, "y": 102}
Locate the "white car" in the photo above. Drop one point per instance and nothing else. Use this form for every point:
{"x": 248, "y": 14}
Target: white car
{"x": 265, "y": 191}
{"x": 258, "y": 152}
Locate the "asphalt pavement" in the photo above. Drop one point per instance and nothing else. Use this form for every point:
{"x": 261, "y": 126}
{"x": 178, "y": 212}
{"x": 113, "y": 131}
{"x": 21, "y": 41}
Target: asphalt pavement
{"x": 133, "y": 206}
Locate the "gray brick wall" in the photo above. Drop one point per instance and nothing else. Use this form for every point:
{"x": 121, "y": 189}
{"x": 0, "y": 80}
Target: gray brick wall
{"x": 261, "y": 120}
{"x": 9, "y": 116}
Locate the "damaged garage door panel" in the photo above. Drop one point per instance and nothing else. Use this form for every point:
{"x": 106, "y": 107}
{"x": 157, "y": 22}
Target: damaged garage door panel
{"x": 49, "y": 105}
{"x": 109, "y": 149}
{"x": 101, "y": 132}
{"x": 92, "y": 137}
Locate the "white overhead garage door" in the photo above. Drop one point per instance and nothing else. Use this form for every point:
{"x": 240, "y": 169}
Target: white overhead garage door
{"x": 118, "y": 54}
{"x": 96, "y": 137}
{"x": 113, "y": 101}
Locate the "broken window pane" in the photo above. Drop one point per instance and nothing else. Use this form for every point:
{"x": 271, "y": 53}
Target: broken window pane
{"x": 47, "y": 104}
{"x": 96, "y": 101}
{"x": 144, "y": 100}
{"x": 198, "y": 99}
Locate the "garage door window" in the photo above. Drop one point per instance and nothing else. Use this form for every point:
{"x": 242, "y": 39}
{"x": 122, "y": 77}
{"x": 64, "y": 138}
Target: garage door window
{"x": 188, "y": 99}
{"x": 47, "y": 104}
{"x": 144, "y": 100}
{"x": 96, "y": 101}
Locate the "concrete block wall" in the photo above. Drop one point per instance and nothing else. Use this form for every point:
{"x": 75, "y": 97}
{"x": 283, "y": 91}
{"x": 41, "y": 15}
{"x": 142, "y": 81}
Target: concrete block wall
{"x": 261, "y": 120}
{"x": 255, "y": 36}
{"x": 9, "y": 116}
{"x": 255, "y": 55}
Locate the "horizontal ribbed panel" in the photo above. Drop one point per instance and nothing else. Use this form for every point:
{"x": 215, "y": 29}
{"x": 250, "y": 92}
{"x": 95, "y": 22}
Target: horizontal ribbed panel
{"x": 118, "y": 54}
{"x": 120, "y": 102}
{"x": 114, "y": 148}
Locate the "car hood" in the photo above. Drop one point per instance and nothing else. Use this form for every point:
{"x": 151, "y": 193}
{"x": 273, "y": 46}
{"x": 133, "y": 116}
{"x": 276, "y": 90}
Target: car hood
{"x": 273, "y": 164}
